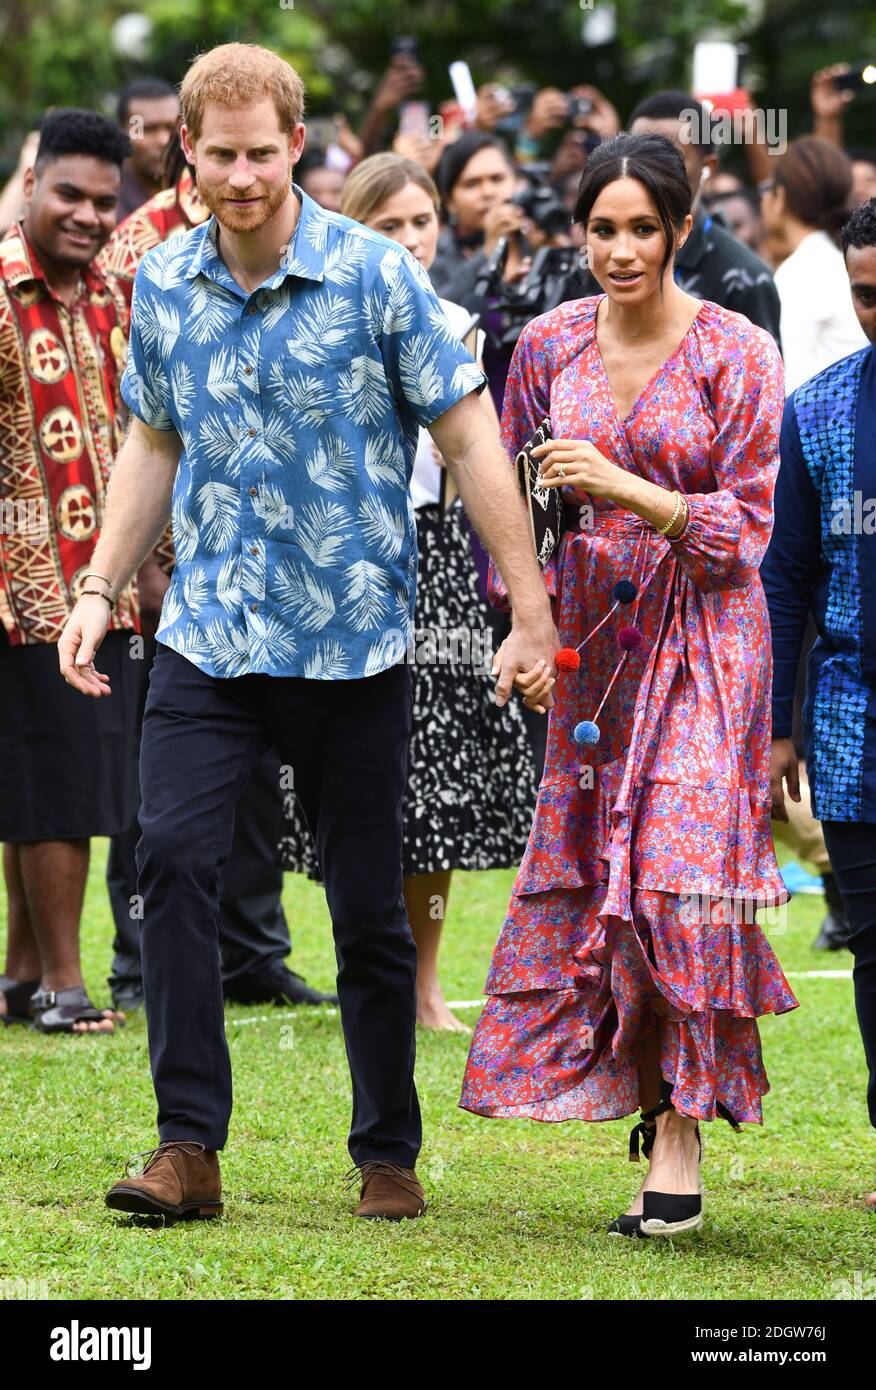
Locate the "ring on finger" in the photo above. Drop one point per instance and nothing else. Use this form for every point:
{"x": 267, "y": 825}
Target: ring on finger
{"x": 561, "y": 472}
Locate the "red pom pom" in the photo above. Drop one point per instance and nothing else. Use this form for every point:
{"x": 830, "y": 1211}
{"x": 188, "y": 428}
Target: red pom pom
{"x": 567, "y": 659}
{"x": 629, "y": 638}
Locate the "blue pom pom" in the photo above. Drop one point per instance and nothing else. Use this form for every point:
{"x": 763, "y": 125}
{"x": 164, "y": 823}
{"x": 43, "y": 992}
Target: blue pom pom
{"x": 586, "y": 732}
{"x": 624, "y": 591}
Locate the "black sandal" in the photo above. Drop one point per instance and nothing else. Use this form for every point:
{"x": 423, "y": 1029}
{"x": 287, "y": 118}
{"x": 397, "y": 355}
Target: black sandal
{"x": 18, "y": 994}
{"x": 56, "y": 1010}
{"x": 670, "y": 1213}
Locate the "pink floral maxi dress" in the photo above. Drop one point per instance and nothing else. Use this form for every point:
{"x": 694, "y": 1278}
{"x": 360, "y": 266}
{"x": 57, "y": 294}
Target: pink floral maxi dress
{"x": 633, "y": 906}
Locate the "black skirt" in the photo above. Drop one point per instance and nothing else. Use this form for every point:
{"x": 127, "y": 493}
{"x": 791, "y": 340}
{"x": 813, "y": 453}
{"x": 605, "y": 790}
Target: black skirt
{"x": 68, "y": 762}
{"x": 471, "y": 788}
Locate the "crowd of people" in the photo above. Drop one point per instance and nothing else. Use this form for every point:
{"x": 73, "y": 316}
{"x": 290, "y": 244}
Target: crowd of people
{"x": 330, "y": 429}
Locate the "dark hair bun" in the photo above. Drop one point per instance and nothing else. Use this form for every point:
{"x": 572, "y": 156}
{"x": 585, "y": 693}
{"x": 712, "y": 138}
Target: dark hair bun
{"x": 656, "y": 163}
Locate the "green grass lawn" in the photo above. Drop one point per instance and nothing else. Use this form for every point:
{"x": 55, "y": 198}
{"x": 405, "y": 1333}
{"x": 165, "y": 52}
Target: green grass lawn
{"x": 517, "y": 1209}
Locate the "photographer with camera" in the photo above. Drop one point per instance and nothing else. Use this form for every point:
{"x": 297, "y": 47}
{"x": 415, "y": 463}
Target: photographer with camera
{"x": 476, "y": 179}
{"x": 507, "y": 256}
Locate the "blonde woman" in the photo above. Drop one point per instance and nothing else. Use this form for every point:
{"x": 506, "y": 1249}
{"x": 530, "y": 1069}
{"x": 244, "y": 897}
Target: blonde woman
{"x": 471, "y": 778}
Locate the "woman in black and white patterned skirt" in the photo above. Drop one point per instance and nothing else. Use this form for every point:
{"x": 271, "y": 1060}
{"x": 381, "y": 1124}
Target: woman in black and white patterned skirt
{"x": 471, "y": 777}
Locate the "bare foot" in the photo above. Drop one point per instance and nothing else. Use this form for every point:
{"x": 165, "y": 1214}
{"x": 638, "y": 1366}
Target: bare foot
{"x": 107, "y": 1025}
{"x": 870, "y": 1201}
{"x": 432, "y": 1012}
{"x": 675, "y": 1157}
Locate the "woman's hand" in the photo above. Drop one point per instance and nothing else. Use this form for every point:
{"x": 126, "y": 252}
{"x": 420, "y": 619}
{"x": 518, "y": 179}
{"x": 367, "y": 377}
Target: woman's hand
{"x": 584, "y": 467}
{"x": 783, "y": 768}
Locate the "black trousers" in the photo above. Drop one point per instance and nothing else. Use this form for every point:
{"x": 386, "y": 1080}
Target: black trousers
{"x": 852, "y": 849}
{"x": 253, "y": 932}
{"x": 347, "y": 743}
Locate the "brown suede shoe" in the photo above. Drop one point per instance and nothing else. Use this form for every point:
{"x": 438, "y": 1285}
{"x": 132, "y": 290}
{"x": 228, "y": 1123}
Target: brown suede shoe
{"x": 388, "y": 1192}
{"x": 180, "y": 1181}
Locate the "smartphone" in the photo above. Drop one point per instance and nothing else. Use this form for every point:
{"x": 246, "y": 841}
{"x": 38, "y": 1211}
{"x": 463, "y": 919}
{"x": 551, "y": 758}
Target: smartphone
{"x": 719, "y": 75}
{"x": 863, "y": 75}
{"x": 409, "y": 45}
{"x": 453, "y": 120}
{"x": 463, "y": 87}
{"x": 413, "y": 118}
{"x": 715, "y": 68}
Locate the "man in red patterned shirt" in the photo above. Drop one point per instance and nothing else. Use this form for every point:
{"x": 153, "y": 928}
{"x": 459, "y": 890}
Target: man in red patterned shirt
{"x": 69, "y": 772}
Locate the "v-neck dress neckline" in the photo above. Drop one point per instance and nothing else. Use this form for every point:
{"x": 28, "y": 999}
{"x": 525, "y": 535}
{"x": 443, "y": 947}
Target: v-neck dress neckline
{"x": 624, "y": 420}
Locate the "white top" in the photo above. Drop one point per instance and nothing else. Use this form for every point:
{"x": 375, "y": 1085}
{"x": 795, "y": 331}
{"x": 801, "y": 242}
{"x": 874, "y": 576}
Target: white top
{"x": 818, "y": 324}
{"x": 426, "y": 477}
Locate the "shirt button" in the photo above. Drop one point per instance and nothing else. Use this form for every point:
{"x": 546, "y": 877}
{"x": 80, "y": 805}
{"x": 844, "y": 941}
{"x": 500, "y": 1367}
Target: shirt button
{"x": 251, "y": 433}
{"x": 254, "y": 550}
{"x": 252, "y": 309}
{"x": 253, "y": 492}
{"x": 248, "y": 371}
{"x": 253, "y": 608}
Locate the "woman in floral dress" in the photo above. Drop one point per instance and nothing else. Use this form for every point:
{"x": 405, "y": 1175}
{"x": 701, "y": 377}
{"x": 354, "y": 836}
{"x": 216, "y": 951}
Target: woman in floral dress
{"x": 630, "y": 969}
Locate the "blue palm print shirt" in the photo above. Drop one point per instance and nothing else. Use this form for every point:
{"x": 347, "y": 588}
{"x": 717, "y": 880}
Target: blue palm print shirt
{"x": 298, "y": 406}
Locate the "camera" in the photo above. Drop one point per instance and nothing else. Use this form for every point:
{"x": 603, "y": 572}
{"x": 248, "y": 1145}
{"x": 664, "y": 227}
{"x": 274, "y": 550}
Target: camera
{"x": 555, "y": 274}
{"x": 577, "y": 108}
{"x": 541, "y": 203}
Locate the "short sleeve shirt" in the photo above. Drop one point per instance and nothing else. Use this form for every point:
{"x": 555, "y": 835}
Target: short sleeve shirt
{"x": 298, "y": 406}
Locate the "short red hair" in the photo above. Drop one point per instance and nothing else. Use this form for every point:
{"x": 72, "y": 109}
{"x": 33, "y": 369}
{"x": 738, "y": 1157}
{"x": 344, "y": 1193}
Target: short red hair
{"x": 241, "y": 74}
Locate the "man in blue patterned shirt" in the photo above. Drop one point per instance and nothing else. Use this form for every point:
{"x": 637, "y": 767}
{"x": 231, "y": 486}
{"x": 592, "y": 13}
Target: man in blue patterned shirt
{"x": 281, "y": 361}
{"x": 822, "y": 561}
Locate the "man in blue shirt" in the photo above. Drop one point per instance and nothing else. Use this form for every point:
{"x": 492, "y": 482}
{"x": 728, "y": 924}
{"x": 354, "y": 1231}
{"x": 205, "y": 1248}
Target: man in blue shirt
{"x": 281, "y": 361}
{"x": 822, "y": 560}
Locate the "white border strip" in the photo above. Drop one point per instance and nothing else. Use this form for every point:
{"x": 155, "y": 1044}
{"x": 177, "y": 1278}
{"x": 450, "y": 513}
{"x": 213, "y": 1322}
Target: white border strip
{"x": 329, "y": 1010}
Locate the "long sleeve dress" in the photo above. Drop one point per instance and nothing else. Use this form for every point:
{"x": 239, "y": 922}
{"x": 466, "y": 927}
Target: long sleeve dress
{"x": 633, "y": 907}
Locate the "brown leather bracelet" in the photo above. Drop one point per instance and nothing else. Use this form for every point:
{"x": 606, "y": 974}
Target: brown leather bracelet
{"x": 83, "y": 592}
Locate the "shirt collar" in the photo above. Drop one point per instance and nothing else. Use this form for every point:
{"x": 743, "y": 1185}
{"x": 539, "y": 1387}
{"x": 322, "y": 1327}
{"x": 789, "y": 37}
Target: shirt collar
{"x": 306, "y": 253}
{"x": 188, "y": 202}
{"x": 22, "y": 264}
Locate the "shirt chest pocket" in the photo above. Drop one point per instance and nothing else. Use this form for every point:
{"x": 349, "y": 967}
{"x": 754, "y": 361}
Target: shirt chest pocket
{"x": 316, "y": 390}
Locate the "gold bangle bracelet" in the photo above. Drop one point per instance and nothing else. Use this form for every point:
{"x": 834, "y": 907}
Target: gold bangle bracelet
{"x": 662, "y": 530}
{"x": 683, "y": 527}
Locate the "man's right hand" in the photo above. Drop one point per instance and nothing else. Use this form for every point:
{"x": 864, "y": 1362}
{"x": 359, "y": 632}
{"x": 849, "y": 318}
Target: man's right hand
{"x": 783, "y": 768}
{"x": 83, "y": 633}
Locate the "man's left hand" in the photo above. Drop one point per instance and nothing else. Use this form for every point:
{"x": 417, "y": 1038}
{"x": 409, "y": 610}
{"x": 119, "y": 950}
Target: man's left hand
{"x": 517, "y": 663}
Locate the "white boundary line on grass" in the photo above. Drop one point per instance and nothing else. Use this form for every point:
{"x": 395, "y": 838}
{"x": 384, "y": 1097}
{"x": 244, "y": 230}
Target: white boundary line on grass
{"x": 479, "y": 1003}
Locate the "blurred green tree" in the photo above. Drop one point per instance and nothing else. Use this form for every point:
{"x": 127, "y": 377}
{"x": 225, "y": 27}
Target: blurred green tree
{"x": 59, "y": 52}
